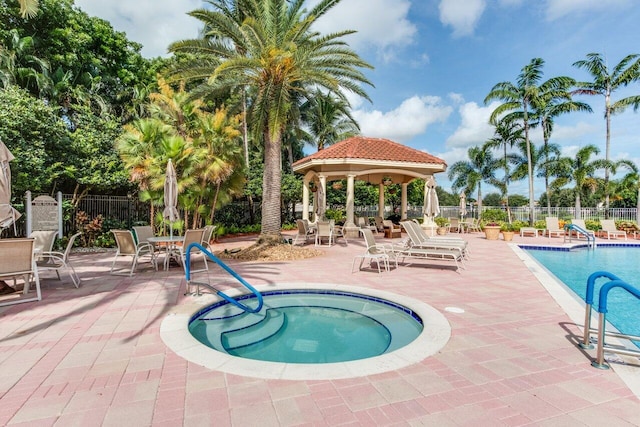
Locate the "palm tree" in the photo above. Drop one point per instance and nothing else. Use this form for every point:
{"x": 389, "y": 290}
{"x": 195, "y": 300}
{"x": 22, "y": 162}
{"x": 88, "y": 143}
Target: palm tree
{"x": 604, "y": 83}
{"x": 328, "y": 119}
{"x": 20, "y": 66}
{"x": 275, "y": 52}
{"x": 632, "y": 181}
{"x": 29, "y": 8}
{"x": 553, "y": 101}
{"x": 580, "y": 170}
{"x": 506, "y": 134}
{"x": 519, "y": 104}
{"x": 469, "y": 175}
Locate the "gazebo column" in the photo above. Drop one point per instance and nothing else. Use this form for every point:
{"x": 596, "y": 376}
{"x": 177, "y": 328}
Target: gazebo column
{"x": 350, "y": 200}
{"x": 381, "y": 200}
{"x": 403, "y": 203}
{"x": 322, "y": 201}
{"x": 305, "y": 199}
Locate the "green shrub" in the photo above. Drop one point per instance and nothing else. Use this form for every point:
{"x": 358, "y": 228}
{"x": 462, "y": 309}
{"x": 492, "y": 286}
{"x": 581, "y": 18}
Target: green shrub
{"x": 441, "y": 222}
{"x": 494, "y": 215}
{"x": 335, "y": 214}
{"x": 540, "y": 224}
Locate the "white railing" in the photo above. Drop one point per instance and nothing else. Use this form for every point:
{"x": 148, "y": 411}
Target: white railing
{"x": 518, "y": 213}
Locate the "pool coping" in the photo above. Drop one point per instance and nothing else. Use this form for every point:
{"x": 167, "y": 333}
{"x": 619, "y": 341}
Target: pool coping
{"x": 574, "y": 306}
{"x": 435, "y": 335}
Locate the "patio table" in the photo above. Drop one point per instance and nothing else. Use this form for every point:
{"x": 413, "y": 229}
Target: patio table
{"x": 169, "y": 244}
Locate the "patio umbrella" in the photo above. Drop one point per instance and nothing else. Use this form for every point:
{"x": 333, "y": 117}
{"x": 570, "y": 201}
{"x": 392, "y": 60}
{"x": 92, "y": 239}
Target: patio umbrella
{"x": 8, "y": 215}
{"x": 431, "y": 203}
{"x": 463, "y": 204}
{"x": 170, "y": 212}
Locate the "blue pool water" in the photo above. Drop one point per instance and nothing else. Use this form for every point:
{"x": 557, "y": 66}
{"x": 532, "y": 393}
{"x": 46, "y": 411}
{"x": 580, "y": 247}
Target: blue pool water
{"x": 299, "y": 326}
{"x": 575, "y": 266}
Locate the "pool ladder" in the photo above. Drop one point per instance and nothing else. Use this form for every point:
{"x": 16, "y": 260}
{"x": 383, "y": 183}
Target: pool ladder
{"x": 212, "y": 257}
{"x": 591, "y": 239}
{"x": 614, "y": 282}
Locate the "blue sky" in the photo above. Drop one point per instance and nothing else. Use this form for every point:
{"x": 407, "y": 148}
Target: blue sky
{"x": 436, "y": 60}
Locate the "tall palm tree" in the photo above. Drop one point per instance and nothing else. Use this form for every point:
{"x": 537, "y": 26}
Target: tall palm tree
{"x": 20, "y": 66}
{"x": 604, "y": 83}
{"x": 553, "y": 101}
{"x": 29, "y": 8}
{"x": 328, "y": 119}
{"x": 276, "y": 53}
{"x": 519, "y": 104}
{"x": 580, "y": 170}
{"x": 470, "y": 174}
{"x": 632, "y": 181}
{"x": 506, "y": 134}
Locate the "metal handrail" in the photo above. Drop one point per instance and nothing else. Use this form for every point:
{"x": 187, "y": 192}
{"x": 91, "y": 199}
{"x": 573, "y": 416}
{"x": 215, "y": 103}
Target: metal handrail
{"x": 602, "y": 309}
{"x": 212, "y": 257}
{"x": 591, "y": 239}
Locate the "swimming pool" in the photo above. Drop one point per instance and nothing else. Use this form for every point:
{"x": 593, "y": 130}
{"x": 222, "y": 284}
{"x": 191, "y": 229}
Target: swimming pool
{"x": 174, "y": 331}
{"x": 573, "y": 267}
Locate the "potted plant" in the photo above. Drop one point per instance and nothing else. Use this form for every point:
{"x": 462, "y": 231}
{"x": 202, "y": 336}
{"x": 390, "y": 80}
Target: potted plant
{"x": 337, "y": 185}
{"x": 442, "y": 225}
{"x": 508, "y": 230}
{"x": 387, "y": 181}
{"x": 491, "y": 230}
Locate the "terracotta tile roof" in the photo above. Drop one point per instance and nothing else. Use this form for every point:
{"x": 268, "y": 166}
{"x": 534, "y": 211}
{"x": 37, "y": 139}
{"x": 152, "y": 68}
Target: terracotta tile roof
{"x": 361, "y": 147}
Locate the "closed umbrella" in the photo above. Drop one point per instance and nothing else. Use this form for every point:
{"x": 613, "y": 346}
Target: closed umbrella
{"x": 431, "y": 203}
{"x": 170, "y": 212}
{"x": 463, "y": 204}
{"x": 8, "y": 215}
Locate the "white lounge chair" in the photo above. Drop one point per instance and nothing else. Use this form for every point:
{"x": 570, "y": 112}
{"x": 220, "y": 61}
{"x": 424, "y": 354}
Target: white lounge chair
{"x": 553, "y": 227}
{"x": 418, "y": 239}
{"x": 609, "y": 227}
{"x": 580, "y": 223}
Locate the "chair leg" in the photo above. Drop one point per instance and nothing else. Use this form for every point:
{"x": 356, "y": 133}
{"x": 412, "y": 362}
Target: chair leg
{"x": 113, "y": 264}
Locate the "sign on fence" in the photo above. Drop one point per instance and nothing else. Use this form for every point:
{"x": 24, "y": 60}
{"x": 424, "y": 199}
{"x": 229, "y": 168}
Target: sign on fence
{"x": 44, "y": 213}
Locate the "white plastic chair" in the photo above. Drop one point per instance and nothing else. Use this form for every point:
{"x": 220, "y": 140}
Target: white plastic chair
{"x": 128, "y": 247}
{"x": 18, "y": 260}
{"x": 324, "y": 231}
{"x": 380, "y": 253}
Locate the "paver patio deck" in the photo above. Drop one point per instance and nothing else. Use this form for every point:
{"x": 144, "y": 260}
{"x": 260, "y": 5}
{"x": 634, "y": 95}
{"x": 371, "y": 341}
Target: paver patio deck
{"x": 93, "y": 355}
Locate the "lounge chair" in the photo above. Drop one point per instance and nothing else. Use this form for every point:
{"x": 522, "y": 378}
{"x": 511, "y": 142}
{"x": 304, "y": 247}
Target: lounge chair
{"x": 324, "y": 231}
{"x": 418, "y": 239}
{"x": 304, "y": 233}
{"x": 60, "y": 260}
{"x": 391, "y": 230}
{"x": 380, "y": 253}
{"x": 553, "y": 227}
{"x": 18, "y": 260}
{"x": 580, "y": 223}
{"x": 609, "y": 227}
{"x": 128, "y": 247}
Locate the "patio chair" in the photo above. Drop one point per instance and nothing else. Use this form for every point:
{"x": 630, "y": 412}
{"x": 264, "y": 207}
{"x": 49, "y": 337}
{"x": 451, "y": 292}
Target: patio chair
{"x": 142, "y": 233}
{"x": 580, "y": 223}
{"x": 609, "y": 227}
{"x": 364, "y": 223}
{"x": 128, "y": 247}
{"x": 338, "y": 231}
{"x": 206, "y": 237}
{"x": 43, "y": 241}
{"x": 304, "y": 233}
{"x": 59, "y": 260}
{"x": 18, "y": 260}
{"x": 380, "y": 253}
{"x": 391, "y": 230}
{"x": 379, "y": 224}
{"x": 472, "y": 225}
{"x": 553, "y": 227}
{"x": 324, "y": 231}
{"x": 454, "y": 225}
{"x": 192, "y": 236}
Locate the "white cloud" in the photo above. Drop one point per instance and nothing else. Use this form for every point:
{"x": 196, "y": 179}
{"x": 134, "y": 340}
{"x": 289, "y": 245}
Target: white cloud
{"x": 456, "y": 98}
{"x": 153, "y": 23}
{"x": 560, "y": 8}
{"x": 462, "y": 15}
{"x": 411, "y": 118}
{"x": 561, "y": 133}
{"x": 379, "y": 23}
{"x": 474, "y": 128}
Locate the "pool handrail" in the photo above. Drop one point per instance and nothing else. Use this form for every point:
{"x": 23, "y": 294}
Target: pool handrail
{"x": 602, "y": 310}
{"x": 591, "y": 239}
{"x": 212, "y": 257}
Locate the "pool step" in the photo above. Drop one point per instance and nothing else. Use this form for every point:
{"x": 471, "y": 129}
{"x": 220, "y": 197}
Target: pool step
{"x": 271, "y": 324}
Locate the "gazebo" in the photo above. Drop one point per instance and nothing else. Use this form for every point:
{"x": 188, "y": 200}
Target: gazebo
{"x": 374, "y": 160}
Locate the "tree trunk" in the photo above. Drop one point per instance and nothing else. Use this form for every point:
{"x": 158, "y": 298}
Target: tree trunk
{"x": 532, "y": 211}
{"x": 271, "y": 188}
{"x": 607, "y": 115}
